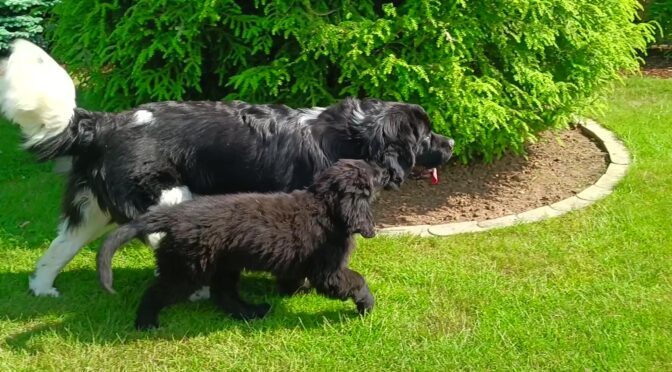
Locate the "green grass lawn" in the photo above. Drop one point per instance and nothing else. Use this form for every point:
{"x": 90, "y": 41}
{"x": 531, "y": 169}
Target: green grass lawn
{"x": 591, "y": 289}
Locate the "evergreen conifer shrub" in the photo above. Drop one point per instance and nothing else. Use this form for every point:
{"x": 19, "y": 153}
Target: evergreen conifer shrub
{"x": 22, "y": 19}
{"x": 660, "y": 11}
{"x": 491, "y": 73}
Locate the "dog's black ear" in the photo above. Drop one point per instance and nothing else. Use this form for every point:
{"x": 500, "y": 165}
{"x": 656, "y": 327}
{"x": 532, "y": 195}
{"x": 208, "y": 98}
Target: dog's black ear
{"x": 357, "y": 214}
{"x": 381, "y": 176}
{"x": 396, "y": 138}
{"x": 397, "y": 172}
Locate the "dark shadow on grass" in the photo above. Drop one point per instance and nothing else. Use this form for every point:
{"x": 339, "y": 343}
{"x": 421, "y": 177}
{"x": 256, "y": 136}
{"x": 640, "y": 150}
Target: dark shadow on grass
{"x": 91, "y": 315}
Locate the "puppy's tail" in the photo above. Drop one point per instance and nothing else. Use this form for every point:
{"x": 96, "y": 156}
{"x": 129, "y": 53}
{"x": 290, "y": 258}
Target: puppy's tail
{"x": 112, "y": 243}
{"x": 35, "y": 92}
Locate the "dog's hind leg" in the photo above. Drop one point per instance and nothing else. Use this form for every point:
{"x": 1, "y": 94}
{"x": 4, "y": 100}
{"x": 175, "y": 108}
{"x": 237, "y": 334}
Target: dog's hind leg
{"x": 164, "y": 292}
{"x": 344, "y": 284}
{"x": 224, "y": 293}
{"x": 168, "y": 197}
{"x": 174, "y": 196}
{"x": 74, "y": 232}
{"x": 289, "y": 286}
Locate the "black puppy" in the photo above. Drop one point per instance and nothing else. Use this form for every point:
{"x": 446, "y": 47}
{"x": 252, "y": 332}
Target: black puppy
{"x": 209, "y": 240}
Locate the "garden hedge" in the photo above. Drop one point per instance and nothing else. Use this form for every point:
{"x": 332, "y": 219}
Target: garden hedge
{"x": 491, "y": 73}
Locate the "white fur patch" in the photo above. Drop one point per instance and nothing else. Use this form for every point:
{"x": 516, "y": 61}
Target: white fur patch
{"x": 36, "y": 92}
{"x": 176, "y": 195}
{"x": 173, "y": 196}
{"x": 200, "y": 294}
{"x": 68, "y": 242}
{"x": 154, "y": 239}
{"x": 142, "y": 117}
{"x": 309, "y": 114}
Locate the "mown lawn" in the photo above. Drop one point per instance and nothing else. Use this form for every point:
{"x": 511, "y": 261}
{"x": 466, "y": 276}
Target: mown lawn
{"x": 592, "y": 289}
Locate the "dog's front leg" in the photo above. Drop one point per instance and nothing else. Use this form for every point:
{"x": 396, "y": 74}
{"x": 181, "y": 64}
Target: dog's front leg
{"x": 344, "y": 284}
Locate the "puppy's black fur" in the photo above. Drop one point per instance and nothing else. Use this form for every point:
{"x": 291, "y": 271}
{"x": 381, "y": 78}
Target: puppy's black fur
{"x": 209, "y": 240}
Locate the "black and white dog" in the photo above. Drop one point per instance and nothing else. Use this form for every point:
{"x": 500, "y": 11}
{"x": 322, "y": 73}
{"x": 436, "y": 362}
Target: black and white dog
{"x": 122, "y": 164}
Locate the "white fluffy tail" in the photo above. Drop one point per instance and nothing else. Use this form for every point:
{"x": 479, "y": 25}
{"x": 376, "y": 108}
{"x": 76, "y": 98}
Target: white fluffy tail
{"x": 35, "y": 92}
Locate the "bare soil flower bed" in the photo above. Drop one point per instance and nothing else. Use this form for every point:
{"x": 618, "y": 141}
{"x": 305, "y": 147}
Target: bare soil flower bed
{"x": 560, "y": 165}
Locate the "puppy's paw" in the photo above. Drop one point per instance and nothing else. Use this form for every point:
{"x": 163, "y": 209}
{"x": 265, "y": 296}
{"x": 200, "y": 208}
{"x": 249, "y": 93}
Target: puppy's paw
{"x": 365, "y": 304}
{"x": 251, "y": 312}
{"x": 146, "y": 324}
{"x": 261, "y": 310}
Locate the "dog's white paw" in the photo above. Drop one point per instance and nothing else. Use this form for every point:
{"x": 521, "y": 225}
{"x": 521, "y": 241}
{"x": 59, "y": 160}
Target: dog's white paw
{"x": 41, "y": 288}
{"x": 45, "y": 292}
{"x": 201, "y": 294}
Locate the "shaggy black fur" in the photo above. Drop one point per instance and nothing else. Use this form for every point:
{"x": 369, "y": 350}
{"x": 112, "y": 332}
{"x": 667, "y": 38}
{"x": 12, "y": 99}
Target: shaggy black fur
{"x": 209, "y": 240}
{"x": 227, "y": 147}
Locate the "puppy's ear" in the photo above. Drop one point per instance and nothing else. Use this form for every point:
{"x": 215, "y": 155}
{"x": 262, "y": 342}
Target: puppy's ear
{"x": 358, "y": 216}
{"x": 356, "y": 189}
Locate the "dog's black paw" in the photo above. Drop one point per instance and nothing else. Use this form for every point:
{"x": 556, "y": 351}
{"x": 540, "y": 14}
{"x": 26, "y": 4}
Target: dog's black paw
{"x": 261, "y": 310}
{"x": 146, "y": 324}
{"x": 365, "y": 303}
{"x": 251, "y": 312}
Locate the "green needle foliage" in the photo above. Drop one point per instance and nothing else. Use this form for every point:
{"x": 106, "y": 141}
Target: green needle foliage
{"x": 22, "y": 19}
{"x": 660, "y": 11}
{"x": 491, "y": 73}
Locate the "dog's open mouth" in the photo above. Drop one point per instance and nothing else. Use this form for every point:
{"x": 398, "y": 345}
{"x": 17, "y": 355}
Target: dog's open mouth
{"x": 422, "y": 173}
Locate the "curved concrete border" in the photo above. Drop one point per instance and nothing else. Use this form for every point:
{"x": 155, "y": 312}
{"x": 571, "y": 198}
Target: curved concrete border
{"x": 619, "y": 160}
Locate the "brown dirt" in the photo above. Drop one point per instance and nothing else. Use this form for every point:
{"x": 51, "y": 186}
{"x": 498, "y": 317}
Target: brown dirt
{"x": 657, "y": 63}
{"x": 558, "y": 166}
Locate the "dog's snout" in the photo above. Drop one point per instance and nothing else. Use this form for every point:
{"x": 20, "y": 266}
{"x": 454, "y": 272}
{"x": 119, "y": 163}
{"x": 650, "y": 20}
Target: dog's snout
{"x": 443, "y": 141}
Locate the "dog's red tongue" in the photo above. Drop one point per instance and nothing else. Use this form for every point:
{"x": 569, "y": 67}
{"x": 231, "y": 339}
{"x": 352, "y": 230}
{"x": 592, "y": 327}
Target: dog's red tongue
{"x": 435, "y": 176}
